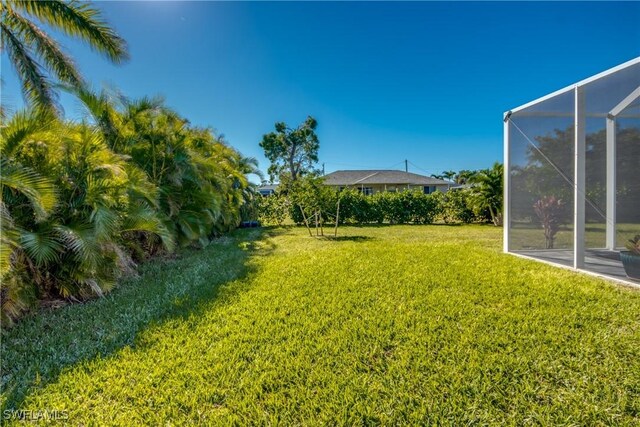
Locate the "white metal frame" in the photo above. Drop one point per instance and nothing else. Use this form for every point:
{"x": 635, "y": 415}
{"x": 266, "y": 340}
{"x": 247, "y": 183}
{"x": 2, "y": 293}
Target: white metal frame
{"x": 611, "y": 165}
{"x": 611, "y": 184}
{"x": 506, "y": 209}
{"x": 579, "y": 179}
{"x": 580, "y": 83}
{"x": 580, "y": 116}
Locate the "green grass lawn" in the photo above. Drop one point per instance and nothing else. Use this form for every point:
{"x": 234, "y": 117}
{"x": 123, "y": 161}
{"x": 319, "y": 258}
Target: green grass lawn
{"x": 384, "y": 325}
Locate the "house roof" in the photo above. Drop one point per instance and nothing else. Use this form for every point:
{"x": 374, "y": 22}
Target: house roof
{"x": 272, "y": 187}
{"x": 380, "y": 177}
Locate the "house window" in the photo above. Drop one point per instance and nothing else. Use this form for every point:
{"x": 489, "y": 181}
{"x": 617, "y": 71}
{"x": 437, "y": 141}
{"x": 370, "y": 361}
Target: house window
{"x": 367, "y": 191}
{"x": 428, "y": 189}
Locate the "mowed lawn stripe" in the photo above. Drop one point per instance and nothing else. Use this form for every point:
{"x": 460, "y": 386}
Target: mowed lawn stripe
{"x": 384, "y": 325}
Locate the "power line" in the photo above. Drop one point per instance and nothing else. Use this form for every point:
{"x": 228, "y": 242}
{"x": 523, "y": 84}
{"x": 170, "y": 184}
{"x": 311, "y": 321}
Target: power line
{"x": 365, "y": 166}
{"x": 418, "y": 167}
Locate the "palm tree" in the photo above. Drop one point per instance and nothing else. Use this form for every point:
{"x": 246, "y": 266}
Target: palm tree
{"x": 201, "y": 180}
{"x": 448, "y": 175}
{"x": 69, "y": 209}
{"x": 488, "y": 191}
{"x": 464, "y": 176}
{"x": 33, "y": 194}
{"x": 37, "y": 58}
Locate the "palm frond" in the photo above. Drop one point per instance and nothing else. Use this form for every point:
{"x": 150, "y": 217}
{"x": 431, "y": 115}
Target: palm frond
{"x": 80, "y": 20}
{"x": 80, "y": 239}
{"x": 141, "y": 189}
{"x": 22, "y": 125}
{"x": 38, "y": 189}
{"x": 8, "y": 238}
{"x": 105, "y": 221}
{"x": 46, "y": 48}
{"x": 17, "y": 297}
{"x": 100, "y": 108}
{"x": 35, "y": 85}
{"x": 143, "y": 218}
{"x": 42, "y": 246}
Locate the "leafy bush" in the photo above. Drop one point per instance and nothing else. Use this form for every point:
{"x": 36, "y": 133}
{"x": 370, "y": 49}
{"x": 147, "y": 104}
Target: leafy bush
{"x": 308, "y": 196}
{"x": 273, "y": 209}
{"x": 457, "y": 206}
{"x": 425, "y": 208}
{"x": 357, "y": 208}
{"x": 81, "y": 204}
{"x": 406, "y": 206}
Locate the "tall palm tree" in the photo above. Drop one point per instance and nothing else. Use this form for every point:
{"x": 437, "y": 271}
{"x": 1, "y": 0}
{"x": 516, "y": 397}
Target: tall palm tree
{"x": 37, "y": 58}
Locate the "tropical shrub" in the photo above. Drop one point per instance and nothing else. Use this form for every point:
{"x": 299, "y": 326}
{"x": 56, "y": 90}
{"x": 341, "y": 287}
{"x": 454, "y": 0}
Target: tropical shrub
{"x": 390, "y": 205}
{"x": 73, "y": 246}
{"x": 357, "y": 208}
{"x": 81, "y": 204}
{"x": 273, "y": 209}
{"x": 456, "y": 206}
{"x": 202, "y": 181}
{"x": 308, "y": 197}
{"x": 487, "y": 193}
{"x": 424, "y": 207}
{"x": 406, "y": 206}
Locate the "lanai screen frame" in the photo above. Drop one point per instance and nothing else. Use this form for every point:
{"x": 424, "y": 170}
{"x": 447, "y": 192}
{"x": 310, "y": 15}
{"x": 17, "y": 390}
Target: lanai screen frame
{"x": 580, "y": 115}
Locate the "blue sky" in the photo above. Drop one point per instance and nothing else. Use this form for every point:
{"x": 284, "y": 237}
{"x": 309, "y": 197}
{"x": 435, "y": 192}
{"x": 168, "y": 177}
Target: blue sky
{"x": 427, "y": 82}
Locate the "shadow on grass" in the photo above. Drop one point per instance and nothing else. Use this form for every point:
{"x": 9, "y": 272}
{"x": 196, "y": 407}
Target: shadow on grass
{"x": 347, "y": 238}
{"x": 409, "y": 224}
{"x": 41, "y": 346}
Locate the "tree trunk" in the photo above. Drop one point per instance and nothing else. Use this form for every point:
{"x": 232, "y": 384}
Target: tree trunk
{"x": 335, "y": 232}
{"x": 305, "y": 221}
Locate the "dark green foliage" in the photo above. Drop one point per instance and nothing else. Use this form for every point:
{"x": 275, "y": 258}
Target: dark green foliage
{"x": 488, "y": 192}
{"x": 457, "y": 206}
{"x": 310, "y": 198}
{"x": 357, "y": 208}
{"x": 407, "y": 207}
{"x": 273, "y": 209}
{"x": 81, "y": 204}
{"x": 292, "y": 152}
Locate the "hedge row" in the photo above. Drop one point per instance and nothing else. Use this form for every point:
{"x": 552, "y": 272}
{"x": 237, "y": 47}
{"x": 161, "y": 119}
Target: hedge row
{"x": 81, "y": 204}
{"x": 407, "y": 207}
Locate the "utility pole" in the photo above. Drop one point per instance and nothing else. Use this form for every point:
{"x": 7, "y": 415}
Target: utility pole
{"x": 406, "y": 165}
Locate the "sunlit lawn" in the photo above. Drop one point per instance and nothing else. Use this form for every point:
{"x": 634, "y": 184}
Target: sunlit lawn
{"x": 384, "y": 325}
